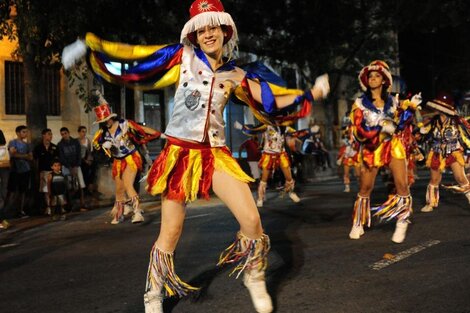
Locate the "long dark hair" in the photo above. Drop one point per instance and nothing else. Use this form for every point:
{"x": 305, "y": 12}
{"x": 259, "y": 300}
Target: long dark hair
{"x": 383, "y": 95}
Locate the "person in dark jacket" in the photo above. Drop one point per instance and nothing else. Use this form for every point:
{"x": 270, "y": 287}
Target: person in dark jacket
{"x": 70, "y": 157}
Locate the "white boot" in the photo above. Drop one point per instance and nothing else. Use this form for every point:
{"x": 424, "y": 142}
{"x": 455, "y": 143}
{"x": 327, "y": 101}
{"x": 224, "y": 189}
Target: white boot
{"x": 347, "y": 188}
{"x": 137, "y": 217}
{"x": 427, "y": 208}
{"x": 294, "y": 197}
{"x": 128, "y": 209}
{"x": 467, "y": 194}
{"x": 400, "y": 231}
{"x": 356, "y": 232}
{"x": 153, "y": 301}
{"x": 259, "y": 203}
{"x": 255, "y": 283}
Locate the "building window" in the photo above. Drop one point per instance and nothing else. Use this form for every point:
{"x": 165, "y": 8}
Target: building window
{"x": 51, "y": 79}
{"x": 14, "y": 89}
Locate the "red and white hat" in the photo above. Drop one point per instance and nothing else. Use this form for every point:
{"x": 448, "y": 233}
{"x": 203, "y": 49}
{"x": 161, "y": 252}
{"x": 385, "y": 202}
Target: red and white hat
{"x": 102, "y": 111}
{"x": 375, "y": 66}
{"x": 444, "y": 103}
{"x": 209, "y": 13}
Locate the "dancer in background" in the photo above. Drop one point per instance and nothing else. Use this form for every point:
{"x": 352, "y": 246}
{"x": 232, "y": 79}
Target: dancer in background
{"x": 274, "y": 157}
{"x": 377, "y": 122}
{"x": 449, "y": 137}
{"x": 196, "y": 157}
{"x": 348, "y": 157}
{"x": 119, "y": 138}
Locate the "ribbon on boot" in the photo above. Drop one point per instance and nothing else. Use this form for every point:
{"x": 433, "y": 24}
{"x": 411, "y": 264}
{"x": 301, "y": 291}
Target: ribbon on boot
{"x": 262, "y": 190}
{"x": 361, "y": 212}
{"x": 432, "y": 195}
{"x": 289, "y": 186}
{"x": 161, "y": 275}
{"x": 399, "y": 207}
{"x": 246, "y": 254}
{"x": 118, "y": 210}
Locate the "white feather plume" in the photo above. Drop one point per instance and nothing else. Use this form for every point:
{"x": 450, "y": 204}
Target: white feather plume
{"x": 72, "y": 53}
{"x": 101, "y": 99}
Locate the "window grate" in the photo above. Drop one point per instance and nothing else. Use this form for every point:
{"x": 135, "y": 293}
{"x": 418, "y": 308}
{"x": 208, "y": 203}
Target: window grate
{"x": 15, "y": 91}
{"x": 14, "y": 88}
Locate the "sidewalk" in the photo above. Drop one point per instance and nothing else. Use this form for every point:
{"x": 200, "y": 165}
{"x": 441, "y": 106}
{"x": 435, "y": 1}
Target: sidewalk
{"x": 149, "y": 204}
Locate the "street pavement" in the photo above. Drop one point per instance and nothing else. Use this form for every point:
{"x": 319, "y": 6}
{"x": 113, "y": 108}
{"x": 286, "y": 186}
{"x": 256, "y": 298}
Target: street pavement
{"x": 85, "y": 264}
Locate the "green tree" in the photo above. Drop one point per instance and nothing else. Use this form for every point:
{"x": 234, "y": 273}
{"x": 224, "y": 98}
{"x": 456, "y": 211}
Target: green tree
{"x": 43, "y": 28}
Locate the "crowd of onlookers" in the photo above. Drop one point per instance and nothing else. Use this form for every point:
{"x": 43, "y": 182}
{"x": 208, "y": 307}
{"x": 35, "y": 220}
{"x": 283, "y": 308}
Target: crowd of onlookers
{"x": 45, "y": 178}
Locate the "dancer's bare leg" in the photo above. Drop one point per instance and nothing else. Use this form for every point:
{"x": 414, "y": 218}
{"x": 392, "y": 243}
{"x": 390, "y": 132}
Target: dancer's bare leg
{"x": 237, "y": 196}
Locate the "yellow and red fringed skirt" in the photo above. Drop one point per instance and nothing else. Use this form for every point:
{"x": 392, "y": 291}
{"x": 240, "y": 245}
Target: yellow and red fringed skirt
{"x": 352, "y": 161}
{"x": 383, "y": 154}
{"x": 183, "y": 171}
{"x": 272, "y": 161}
{"x": 134, "y": 160}
{"x": 437, "y": 162}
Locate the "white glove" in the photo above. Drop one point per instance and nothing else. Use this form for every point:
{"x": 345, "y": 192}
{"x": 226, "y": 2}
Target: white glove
{"x": 416, "y": 99}
{"x": 107, "y": 145}
{"x": 314, "y": 129}
{"x": 339, "y": 162}
{"x": 237, "y": 125}
{"x": 388, "y": 126}
{"x": 322, "y": 83}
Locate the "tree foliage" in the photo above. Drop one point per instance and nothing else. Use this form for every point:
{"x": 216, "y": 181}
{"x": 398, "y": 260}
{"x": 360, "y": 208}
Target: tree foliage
{"x": 313, "y": 36}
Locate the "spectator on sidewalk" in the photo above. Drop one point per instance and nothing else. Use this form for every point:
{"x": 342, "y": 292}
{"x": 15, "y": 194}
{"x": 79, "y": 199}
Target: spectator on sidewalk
{"x": 69, "y": 156}
{"x": 20, "y": 171}
{"x": 4, "y": 172}
{"x": 87, "y": 164}
{"x": 315, "y": 146}
{"x": 44, "y": 153}
{"x": 57, "y": 190}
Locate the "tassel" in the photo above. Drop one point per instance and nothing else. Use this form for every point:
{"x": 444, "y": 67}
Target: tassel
{"x": 73, "y": 52}
{"x": 432, "y": 195}
{"x": 161, "y": 272}
{"x": 247, "y": 254}
{"x": 361, "y": 212}
{"x": 289, "y": 186}
{"x": 135, "y": 201}
{"x": 262, "y": 190}
{"x": 399, "y": 207}
{"x": 118, "y": 210}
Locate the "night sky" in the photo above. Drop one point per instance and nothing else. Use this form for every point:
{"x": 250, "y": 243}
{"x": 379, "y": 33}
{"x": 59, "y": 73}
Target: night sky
{"x": 436, "y": 61}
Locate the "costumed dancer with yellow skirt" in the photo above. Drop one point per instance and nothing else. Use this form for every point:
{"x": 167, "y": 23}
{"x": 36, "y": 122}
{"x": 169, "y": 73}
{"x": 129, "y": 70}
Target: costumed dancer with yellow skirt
{"x": 449, "y": 136}
{"x": 273, "y": 157}
{"x": 377, "y": 121}
{"x": 119, "y": 138}
{"x": 196, "y": 157}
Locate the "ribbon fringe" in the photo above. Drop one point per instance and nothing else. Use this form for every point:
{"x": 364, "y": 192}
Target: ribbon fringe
{"x": 118, "y": 210}
{"x": 161, "y": 275}
{"x": 361, "y": 212}
{"x": 246, "y": 254}
{"x": 399, "y": 207}
{"x": 432, "y": 195}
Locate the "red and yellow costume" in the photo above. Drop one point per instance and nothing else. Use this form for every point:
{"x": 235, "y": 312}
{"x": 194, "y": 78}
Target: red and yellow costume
{"x": 381, "y": 134}
{"x": 123, "y": 145}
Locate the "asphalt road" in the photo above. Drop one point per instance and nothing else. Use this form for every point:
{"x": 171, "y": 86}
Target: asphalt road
{"x": 86, "y": 265}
